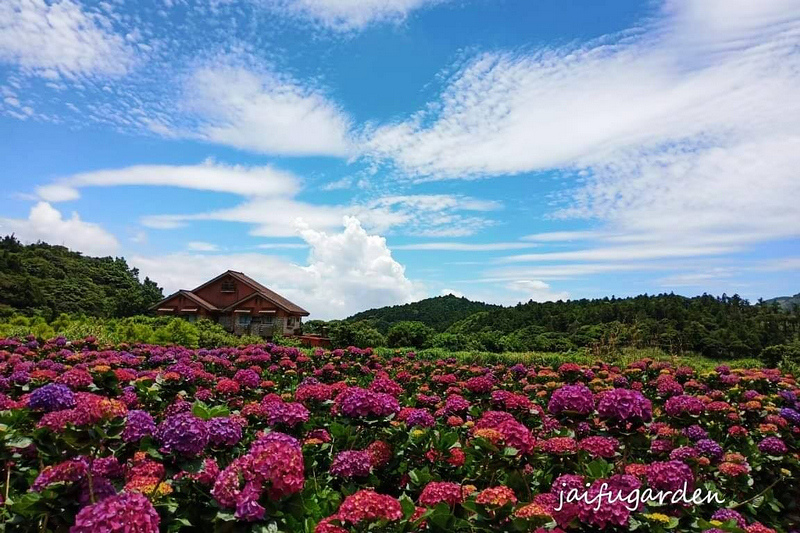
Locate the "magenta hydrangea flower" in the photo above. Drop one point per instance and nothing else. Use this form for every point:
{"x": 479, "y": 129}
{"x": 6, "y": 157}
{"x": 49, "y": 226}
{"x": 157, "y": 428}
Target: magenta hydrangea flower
{"x": 130, "y": 512}
{"x": 624, "y": 406}
{"x": 287, "y": 414}
{"x": 684, "y": 404}
{"x": 247, "y": 378}
{"x": 356, "y": 402}
{"x": 183, "y": 433}
{"x": 441, "y": 491}
{"x": 612, "y": 511}
{"x": 571, "y": 399}
{"x": 669, "y": 475}
{"x": 352, "y": 463}
{"x": 599, "y": 446}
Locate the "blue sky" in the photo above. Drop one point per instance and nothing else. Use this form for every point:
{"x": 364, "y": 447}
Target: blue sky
{"x": 358, "y": 153}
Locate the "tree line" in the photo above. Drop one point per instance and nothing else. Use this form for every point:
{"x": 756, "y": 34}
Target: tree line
{"x": 716, "y": 327}
{"x": 45, "y": 280}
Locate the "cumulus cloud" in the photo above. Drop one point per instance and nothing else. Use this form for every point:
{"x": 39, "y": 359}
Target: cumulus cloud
{"x": 45, "y": 223}
{"x": 61, "y": 39}
{"x": 346, "y": 272}
{"x": 350, "y": 15}
{"x": 238, "y": 102}
{"x": 679, "y": 134}
{"x": 208, "y": 176}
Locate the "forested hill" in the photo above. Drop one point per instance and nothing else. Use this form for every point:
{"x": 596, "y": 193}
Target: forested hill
{"x": 50, "y": 280}
{"x": 787, "y": 302}
{"x": 438, "y": 313}
{"x": 713, "y": 326}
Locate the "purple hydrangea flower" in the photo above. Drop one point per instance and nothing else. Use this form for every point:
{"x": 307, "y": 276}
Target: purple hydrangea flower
{"x": 183, "y": 433}
{"x": 791, "y": 415}
{"x": 723, "y": 515}
{"x": 138, "y": 425}
{"x": 772, "y": 446}
{"x": 695, "y": 433}
{"x": 52, "y": 397}
{"x": 421, "y": 418}
{"x": 224, "y": 431}
{"x": 710, "y": 449}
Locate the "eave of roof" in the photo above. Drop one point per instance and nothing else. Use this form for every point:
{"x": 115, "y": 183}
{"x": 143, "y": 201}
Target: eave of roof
{"x": 191, "y": 296}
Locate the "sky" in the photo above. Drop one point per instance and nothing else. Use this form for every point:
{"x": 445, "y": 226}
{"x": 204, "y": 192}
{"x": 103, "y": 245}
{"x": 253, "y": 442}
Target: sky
{"x": 352, "y": 154}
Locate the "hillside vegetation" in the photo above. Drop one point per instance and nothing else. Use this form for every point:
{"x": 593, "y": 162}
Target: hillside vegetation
{"x": 786, "y": 302}
{"x": 46, "y": 280}
{"x": 437, "y": 313}
{"x": 716, "y": 327}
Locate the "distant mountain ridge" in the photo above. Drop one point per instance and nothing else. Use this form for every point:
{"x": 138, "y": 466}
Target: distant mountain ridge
{"x": 438, "y": 313}
{"x": 786, "y": 302}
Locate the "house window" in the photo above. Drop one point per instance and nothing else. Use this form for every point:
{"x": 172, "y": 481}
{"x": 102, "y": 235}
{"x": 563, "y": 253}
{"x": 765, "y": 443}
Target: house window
{"x": 244, "y": 320}
{"x": 269, "y": 320}
{"x": 290, "y": 321}
{"x": 190, "y": 317}
{"x": 228, "y": 286}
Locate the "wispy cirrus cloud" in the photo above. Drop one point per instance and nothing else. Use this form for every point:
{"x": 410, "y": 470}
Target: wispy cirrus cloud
{"x": 208, "y": 176}
{"x": 678, "y": 134}
{"x": 350, "y": 15}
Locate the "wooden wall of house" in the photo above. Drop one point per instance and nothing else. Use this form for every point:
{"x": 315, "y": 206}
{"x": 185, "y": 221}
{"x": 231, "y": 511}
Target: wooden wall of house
{"x": 213, "y": 293}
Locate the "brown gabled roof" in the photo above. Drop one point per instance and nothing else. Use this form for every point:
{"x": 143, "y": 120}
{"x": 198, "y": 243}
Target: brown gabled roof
{"x": 269, "y": 294}
{"x": 279, "y": 300}
{"x": 191, "y": 296}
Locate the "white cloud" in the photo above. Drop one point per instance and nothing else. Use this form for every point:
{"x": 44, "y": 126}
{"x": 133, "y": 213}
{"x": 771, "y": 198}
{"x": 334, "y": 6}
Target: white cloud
{"x": 562, "y": 236}
{"x": 446, "y": 292}
{"x": 209, "y": 176}
{"x": 240, "y": 103}
{"x": 349, "y": 15}
{"x": 282, "y": 246}
{"x": 422, "y": 215}
{"x": 682, "y": 135}
{"x": 536, "y": 290}
{"x": 61, "y": 39}
{"x": 201, "y": 246}
{"x": 46, "y": 223}
{"x": 346, "y": 272}
{"x": 465, "y": 246}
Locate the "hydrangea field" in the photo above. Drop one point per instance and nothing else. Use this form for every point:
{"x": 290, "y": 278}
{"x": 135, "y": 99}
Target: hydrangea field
{"x": 267, "y": 438}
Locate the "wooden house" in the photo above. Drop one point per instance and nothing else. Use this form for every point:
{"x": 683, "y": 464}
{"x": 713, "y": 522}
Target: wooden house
{"x": 238, "y": 302}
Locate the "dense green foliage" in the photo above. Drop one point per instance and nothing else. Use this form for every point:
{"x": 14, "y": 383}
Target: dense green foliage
{"x": 438, "y": 313}
{"x": 41, "y": 279}
{"x": 724, "y": 327}
{"x": 131, "y": 330}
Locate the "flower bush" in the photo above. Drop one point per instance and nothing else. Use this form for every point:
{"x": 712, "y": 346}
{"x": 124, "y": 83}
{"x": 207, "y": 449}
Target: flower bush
{"x": 145, "y": 438}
